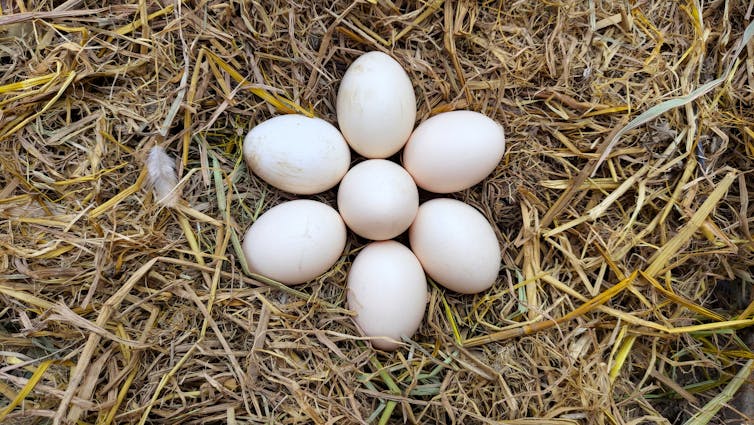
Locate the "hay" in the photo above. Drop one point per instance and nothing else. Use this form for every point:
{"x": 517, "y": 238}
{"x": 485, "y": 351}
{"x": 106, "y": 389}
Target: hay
{"x": 625, "y": 292}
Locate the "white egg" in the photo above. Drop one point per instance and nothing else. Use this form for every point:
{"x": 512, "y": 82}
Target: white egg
{"x": 295, "y": 241}
{"x": 376, "y": 105}
{"x": 297, "y": 154}
{"x": 456, "y": 245}
{"x": 387, "y": 290}
{"x": 378, "y": 199}
{"x": 453, "y": 151}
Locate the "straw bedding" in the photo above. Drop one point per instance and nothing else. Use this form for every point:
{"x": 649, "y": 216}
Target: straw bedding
{"x": 625, "y": 288}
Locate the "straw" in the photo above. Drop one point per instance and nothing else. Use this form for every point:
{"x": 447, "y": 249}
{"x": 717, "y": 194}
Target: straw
{"x": 622, "y": 208}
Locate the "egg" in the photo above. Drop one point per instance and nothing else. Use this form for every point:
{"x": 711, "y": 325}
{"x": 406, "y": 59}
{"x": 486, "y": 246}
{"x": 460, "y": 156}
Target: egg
{"x": 456, "y": 245}
{"x": 453, "y": 151}
{"x": 387, "y": 290}
{"x": 297, "y": 154}
{"x": 378, "y": 199}
{"x": 376, "y": 105}
{"x": 295, "y": 241}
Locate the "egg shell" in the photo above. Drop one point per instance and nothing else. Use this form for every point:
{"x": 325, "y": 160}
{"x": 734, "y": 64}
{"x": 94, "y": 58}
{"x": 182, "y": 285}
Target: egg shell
{"x": 376, "y": 105}
{"x": 297, "y": 154}
{"x": 295, "y": 241}
{"x": 387, "y": 289}
{"x": 378, "y": 199}
{"x": 456, "y": 245}
{"x": 453, "y": 151}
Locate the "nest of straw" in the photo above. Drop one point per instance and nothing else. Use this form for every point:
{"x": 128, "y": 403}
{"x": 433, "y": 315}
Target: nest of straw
{"x": 625, "y": 289}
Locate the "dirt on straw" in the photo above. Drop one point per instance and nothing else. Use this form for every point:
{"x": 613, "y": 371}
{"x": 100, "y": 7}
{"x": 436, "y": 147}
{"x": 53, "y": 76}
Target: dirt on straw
{"x": 625, "y": 288}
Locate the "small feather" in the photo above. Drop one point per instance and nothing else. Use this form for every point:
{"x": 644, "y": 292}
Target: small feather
{"x": 163, "y": 177}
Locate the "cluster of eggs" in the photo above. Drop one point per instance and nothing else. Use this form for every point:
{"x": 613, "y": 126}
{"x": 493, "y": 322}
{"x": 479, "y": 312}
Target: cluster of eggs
{"x": 378, "y": 199}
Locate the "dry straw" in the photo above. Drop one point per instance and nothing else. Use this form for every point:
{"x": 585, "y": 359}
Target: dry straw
{"x": 622, "y": 204}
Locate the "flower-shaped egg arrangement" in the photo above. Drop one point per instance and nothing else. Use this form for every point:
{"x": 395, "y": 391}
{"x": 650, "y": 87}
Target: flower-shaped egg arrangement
{"x": 452, "y": 242}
